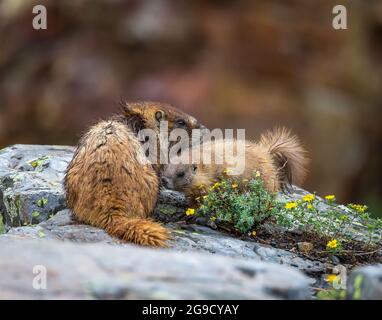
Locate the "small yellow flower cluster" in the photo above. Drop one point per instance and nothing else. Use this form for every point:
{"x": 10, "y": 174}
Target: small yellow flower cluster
{"x": 290, "y": 205}
{"x": 227, "y": 171}
{"x": 257, "y": 174}
{"x": 332, "y": 244}
{"x": 330, "y": 197}
{"x": 308, "y": 198}
{"x": 358, "y": 207}
{"x": 309, "y": 206}
{"x": 253, "y": 233}
{"x": 216, "y": 185}
{"x": 331, "y": 278}
{"x": 190, "y": 212}
{"x": 344, "y": 217}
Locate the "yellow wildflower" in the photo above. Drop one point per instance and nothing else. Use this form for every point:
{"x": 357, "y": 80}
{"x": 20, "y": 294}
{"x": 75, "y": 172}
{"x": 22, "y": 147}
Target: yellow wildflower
{"x": 330, "y": 197}
{"x": 358, "y": 207}
{"x": 331, "y": 278}
{"x": 216, "y": 185}
{"x": 344, "y": 217}
{"x": 308, "y": 197}
{"x": 226, "y": 171}
{"x": 234, "y": 185}
{"x": 257, "y": 174}
{"x": 332, "y": 244}
{"x": 290, "y": 205}
{"x": 190, "y": 212}
{"x": 213, "y": 218}
{"x": 309, "y": 206}
{"x": 253, "y": 233}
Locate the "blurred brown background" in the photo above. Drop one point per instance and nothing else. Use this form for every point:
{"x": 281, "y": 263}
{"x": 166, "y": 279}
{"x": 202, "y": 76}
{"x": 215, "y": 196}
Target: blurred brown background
{"x": 232, "y": 64}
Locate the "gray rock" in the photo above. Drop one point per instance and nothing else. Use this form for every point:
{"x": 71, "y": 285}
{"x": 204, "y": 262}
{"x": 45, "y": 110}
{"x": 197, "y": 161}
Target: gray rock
{"x": 31, "y": 182}
{"x": 61, "y": 227}
{"x": 32, "y": 203}
{"x": 365, "y": 283}
{"x": 86, "y": 271}
{"x": 195, "y": 238}
{"x": 203, "y": 239}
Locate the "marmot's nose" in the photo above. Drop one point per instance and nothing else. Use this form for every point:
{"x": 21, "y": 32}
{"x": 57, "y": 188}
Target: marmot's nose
{"x": 165, "y": 182}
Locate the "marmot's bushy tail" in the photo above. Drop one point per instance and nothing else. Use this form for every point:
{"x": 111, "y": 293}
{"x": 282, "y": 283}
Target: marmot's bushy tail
{"x": 137, "y": 230}
{"x": 288, "y": 153}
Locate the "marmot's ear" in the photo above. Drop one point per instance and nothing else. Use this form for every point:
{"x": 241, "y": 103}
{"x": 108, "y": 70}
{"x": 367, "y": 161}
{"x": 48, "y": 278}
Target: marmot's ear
{"x": 132, "y": 117}
{"x": 127, "y": 109}
{"x": 136, "y": 123}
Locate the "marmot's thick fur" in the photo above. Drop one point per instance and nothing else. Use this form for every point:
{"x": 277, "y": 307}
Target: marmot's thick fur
{"x": 107, "y": 183}
{"x": 279, "y": 158}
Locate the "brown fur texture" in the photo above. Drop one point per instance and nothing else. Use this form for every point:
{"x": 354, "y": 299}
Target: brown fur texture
{"x": 109, "y": 185}
{"x": 287, "y": 151}
{"x": 264, "y": 157}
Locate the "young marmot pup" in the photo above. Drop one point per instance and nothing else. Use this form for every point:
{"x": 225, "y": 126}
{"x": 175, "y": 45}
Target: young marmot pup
{"x": 278, "y": 157}
{"x": 108, "y": 183}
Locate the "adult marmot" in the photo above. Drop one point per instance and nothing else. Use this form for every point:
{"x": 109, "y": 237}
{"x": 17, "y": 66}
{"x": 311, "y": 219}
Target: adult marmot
{"x": 109, "y": 183}
{"x": 278, "y": 157}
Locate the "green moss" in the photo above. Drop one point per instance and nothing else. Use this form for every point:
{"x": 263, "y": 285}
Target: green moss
{"x": 18, "y": 203}
{"x": 35, "y": 214}
{"x": 42, "y": 202}
{"x": 7, "y": 182}
{"x": 167, "y": 209}
{"x": 13, "y": 205}
{"x": 357, "y": 287}
{"x": 2, "y": 228}
{"x": 332, "y": 294}
{"x": 38, "y": 162}
{"x": 41, "y": 234}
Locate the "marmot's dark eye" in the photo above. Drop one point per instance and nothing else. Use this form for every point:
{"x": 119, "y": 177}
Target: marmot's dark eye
{"x": 181, "y": 122}
{"x": 180, "y": 174}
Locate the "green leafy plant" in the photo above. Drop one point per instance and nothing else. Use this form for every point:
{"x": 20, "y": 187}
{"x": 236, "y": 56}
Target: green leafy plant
{"x": 243, "y": 208}
{"x": 246, "y": 206}
{"x": 331, "y": 294}
{"x": 335, "y": 222}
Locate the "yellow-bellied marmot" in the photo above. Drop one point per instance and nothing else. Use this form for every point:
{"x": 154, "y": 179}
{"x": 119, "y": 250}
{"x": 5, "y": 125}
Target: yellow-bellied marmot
{"x": 108, "y": 186}
{"x": 278, "y": 157}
